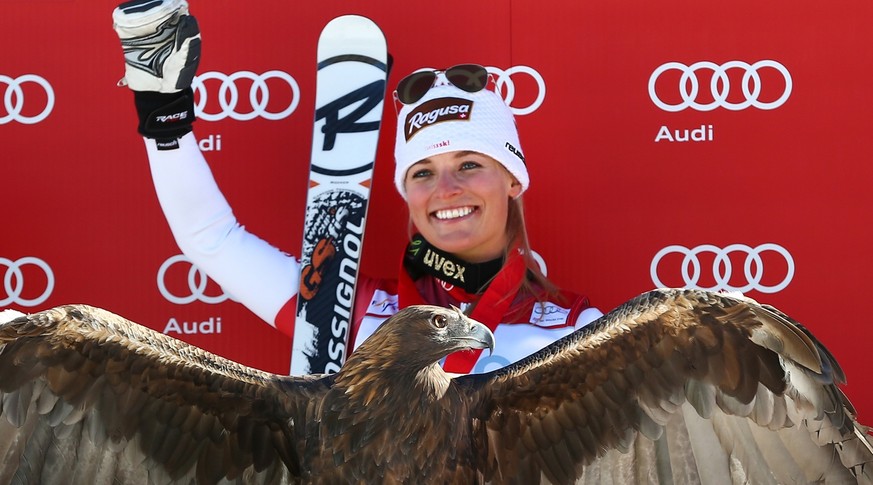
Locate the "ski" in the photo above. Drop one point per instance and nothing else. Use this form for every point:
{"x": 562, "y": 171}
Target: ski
{"x": 350, "y": 92}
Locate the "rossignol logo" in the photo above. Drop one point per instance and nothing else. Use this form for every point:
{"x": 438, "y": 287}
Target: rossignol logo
{"x": 171, "y": 118}
{"x": 515, "y": 151}
{"x": 333, "y": 241}
{"x": 437, "y": 111}
{"x": 442, "y": 265}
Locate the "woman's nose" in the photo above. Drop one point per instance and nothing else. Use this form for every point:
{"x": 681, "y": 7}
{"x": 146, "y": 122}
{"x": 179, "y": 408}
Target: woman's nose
{"x": 448, "y": 185}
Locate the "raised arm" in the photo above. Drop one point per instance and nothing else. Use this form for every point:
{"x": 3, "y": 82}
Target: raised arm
{"x": 161, "y": 44}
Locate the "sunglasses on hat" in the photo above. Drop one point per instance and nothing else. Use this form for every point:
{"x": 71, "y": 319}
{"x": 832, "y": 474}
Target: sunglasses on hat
{"x": 471, "y": 78}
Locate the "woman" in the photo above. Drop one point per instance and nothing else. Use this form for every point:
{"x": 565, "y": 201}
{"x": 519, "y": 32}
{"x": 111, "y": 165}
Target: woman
{"x": 459, "y": 166}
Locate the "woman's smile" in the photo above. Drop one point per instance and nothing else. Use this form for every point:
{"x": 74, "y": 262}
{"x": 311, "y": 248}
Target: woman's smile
{"x": 459, "y": 202}
{"x": 452, "y": 214}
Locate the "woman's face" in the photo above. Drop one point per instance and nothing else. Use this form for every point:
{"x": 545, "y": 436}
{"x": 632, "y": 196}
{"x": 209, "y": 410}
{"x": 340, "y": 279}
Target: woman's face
{"x": 459, "y": 202}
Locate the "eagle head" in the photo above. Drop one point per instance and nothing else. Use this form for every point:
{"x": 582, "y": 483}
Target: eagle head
{"x": 421, "y": 335}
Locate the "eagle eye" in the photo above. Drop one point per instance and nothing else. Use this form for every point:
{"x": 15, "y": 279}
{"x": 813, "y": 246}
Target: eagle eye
{"x": 440, "y": 321}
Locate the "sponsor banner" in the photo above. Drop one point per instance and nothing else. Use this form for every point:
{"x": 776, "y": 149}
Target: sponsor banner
{"x": 659, "y": 155}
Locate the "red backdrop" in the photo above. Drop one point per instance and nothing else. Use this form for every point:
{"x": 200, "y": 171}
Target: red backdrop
{"x": 644, "y": 172}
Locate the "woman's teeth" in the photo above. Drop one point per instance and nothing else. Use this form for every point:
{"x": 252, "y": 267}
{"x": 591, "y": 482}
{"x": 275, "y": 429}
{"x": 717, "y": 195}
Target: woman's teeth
{"x": 453, "y": 213}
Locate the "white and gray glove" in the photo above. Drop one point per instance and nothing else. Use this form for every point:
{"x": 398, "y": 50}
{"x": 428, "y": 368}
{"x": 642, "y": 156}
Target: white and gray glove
{"x": 161, "y": 44}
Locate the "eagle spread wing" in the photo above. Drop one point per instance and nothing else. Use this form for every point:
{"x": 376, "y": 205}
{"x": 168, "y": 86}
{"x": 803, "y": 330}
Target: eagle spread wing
{"x": 674, "y": 386}
{"x": 89, "y": 397}
{"x": 678, "y": 386}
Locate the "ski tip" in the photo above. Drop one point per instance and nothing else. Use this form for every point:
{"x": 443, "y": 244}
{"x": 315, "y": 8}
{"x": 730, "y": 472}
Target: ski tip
{"x": 351, "y": 19}
{"x": 353, "y": 24}
{"x": 350, "y": 36}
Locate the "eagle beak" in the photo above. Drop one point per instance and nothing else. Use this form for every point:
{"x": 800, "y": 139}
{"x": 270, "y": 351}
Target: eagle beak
{"x": 481, "y": 337}
{"x": 470, "y": 334}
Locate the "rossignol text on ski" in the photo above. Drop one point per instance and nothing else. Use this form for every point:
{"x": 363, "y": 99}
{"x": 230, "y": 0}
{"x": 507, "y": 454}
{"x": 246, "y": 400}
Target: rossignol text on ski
{"x": 350, "y": 91}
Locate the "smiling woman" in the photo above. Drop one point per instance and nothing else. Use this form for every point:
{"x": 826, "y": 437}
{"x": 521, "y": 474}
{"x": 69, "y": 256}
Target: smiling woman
{"x": 459, "y": 165}
{"x": 459, "y": 202}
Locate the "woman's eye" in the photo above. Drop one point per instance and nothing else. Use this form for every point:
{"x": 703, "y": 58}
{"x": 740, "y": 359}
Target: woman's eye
{"x": 420, "y": 173}
{"x": 469, "y": 165}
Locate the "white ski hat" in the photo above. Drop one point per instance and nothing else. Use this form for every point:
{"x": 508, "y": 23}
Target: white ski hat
{"x": 448, "y": 119}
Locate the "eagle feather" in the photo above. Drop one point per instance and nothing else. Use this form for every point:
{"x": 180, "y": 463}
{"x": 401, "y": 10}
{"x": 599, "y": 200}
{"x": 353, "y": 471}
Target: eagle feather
{"x": 673, "y": 386}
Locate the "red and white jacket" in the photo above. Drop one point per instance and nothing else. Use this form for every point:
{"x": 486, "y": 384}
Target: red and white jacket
{"x": 266, "y": 279}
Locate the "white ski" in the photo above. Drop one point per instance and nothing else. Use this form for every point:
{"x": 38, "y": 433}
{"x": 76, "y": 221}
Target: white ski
{"x": 350, "y": 91}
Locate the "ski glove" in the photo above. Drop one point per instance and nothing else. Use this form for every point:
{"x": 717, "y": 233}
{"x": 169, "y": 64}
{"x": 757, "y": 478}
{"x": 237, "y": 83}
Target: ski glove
{"x": 161, "y": 44}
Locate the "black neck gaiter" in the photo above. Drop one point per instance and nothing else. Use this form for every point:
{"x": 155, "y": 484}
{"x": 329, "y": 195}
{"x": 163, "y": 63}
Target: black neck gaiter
{"x": 423, "y": 258}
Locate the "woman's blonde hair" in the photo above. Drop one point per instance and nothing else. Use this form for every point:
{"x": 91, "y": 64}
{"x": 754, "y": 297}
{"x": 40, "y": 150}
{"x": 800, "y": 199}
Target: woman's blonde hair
{"x": 536, "y": 283}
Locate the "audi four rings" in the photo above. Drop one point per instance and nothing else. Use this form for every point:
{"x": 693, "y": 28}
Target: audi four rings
{"x": 197, "y": 281}
{"x": 504, "y": 81}
{"x": 506, "y": 87}
{"x": 720, "y": 85}
{"x": 722, "y": 269}
{"x": 259, "y": 95}
{"x": 14, "y": 282}
{"x": 14, "y": 101}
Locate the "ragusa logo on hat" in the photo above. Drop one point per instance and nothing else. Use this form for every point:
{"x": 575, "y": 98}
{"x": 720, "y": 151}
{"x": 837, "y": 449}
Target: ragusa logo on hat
{"x": 436, "y": 111}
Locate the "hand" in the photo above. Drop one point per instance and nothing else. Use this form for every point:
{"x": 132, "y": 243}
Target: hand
{"x": 161, "y": 43}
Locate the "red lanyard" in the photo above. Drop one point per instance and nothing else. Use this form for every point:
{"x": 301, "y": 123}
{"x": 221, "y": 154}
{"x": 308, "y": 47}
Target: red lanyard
{"x": 490, "y": 310}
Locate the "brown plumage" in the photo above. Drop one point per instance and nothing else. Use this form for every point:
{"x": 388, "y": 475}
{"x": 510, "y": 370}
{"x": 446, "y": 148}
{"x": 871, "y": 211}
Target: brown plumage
{"x": 673, "y": 386}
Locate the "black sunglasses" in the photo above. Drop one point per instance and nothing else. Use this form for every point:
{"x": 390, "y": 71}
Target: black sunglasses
{"x": 471, "y": 78}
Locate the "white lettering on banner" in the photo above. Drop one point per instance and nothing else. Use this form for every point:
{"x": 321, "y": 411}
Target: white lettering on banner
{"x": 210, "y": 326}
{"x": 704, "y": 133}
{"x": 211, "y": 143}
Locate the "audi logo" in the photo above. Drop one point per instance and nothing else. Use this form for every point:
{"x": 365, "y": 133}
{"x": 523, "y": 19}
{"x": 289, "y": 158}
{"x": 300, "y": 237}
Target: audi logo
{"x": 541, "y": 262}
{"x": 13, "y": 99}
{"x": 504, "y": 81}
{"x": 13, "y": 281}
{"x": 506, "y": 86}
{"x": 259, "y": 96}
{"x": 722, "y": 269}
{"x": 720, "y": 85}
{"x": 197, "y": 283}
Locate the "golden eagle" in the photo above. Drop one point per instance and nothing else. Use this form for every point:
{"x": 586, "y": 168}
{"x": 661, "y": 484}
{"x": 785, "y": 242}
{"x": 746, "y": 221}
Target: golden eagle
{"x": 680, "y": 386}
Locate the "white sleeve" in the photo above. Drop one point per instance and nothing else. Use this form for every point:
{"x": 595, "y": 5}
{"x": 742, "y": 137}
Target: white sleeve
{"x": 587, "y": 316}
{"x": 249, "y": 269}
